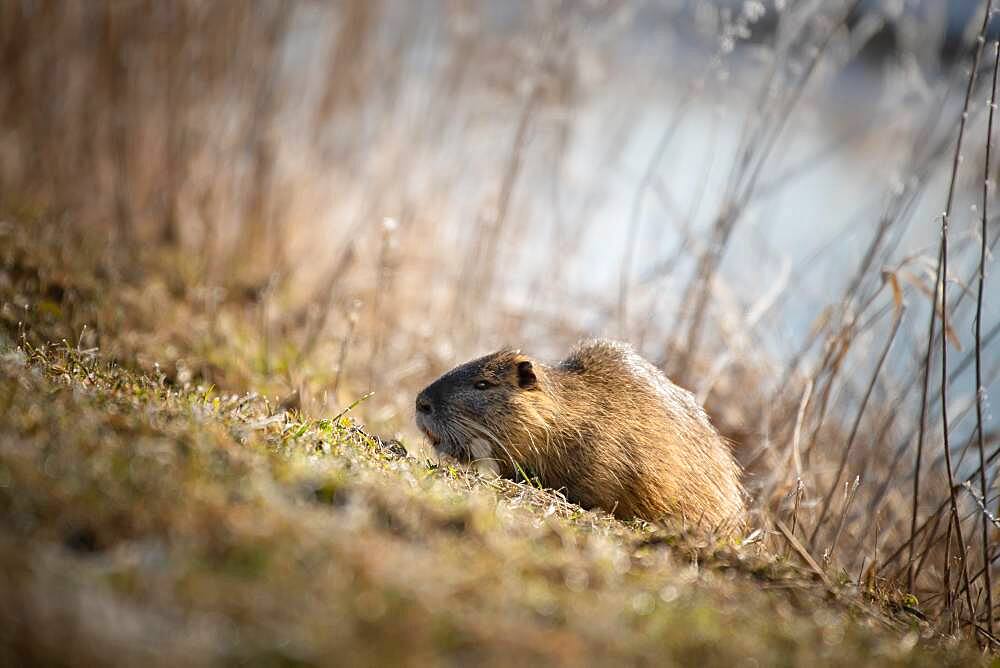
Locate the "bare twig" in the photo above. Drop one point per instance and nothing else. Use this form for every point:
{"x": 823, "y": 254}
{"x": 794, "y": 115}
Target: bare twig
{"x": 857, "y": 425}
{"x": 941, "y": 283}
{"x": 799, "y": 491}
{"x": 942, "y": 280}
{"x": 804, "y": 553}
{"x": 979, "y": 338}
{"x": 988, "y": 517}
{"x": 850, "y": 491}
{"x": 796, "y": 454}
{"x": 922, "y": 429}
{"x": 942, "y": 507}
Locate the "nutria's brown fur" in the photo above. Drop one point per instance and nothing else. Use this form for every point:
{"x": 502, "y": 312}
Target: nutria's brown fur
{"x": 604, "y": 425}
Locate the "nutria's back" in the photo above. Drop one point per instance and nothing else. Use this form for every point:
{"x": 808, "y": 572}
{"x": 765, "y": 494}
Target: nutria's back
{"x": 604, "y": 425}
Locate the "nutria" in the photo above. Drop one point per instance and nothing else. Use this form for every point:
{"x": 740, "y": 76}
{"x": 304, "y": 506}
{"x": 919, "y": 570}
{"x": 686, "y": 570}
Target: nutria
{"x": 604, "y": 426}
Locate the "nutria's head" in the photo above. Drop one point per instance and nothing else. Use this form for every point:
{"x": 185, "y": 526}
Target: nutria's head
{"x": 470, "y": 412}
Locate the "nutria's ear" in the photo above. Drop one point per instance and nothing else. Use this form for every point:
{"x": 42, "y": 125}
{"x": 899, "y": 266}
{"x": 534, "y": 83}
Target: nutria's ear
{"x": 526, "y": 378}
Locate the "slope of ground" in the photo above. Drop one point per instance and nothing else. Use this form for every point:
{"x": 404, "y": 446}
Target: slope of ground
{"x": 150, "y": 520}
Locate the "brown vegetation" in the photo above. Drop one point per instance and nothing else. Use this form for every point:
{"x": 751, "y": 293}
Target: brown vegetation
{"x": 313, "y": 202}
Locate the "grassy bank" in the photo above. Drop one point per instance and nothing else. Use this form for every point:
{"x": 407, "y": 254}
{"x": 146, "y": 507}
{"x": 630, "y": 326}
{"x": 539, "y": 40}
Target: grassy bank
{"x": 146, "y": 517}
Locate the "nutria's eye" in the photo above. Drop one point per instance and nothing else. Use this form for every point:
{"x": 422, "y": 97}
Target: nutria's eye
{"x": 481, "y": 385}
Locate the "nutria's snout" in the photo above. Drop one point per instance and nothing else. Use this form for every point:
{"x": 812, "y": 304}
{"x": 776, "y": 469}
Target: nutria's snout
{"x": 426, "y": 419}
{"x": 424, "y": 404}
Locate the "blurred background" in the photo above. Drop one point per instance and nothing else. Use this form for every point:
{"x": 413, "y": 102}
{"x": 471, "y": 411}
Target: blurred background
{"x": 355, "y": 196}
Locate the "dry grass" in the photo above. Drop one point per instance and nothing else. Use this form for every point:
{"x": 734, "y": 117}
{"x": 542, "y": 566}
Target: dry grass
{"x": 143, "y": 519}
{"x": 314, "y": 202}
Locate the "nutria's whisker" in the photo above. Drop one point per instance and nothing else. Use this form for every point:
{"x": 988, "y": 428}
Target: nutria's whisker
{"x": 486, "y": 432}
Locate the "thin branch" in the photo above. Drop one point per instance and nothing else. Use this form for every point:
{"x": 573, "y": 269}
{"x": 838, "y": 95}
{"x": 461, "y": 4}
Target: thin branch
{"x": 922, "y": 430}
{"x": 942, "y": 506}
{"x": 804, "y": 553}
{"x": 850, "y": 491}
{"x": 980, "y": 390}
{"x": 857, "y": 425}
{"x": 942, "y": 280}
{"x": 988, "y": 517}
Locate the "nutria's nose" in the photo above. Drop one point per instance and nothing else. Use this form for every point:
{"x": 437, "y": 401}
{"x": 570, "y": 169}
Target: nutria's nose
{"x": 424, "y": 404}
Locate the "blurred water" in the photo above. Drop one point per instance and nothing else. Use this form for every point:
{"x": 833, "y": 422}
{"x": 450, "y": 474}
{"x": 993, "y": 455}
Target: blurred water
{"x": 846, "y": 150}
